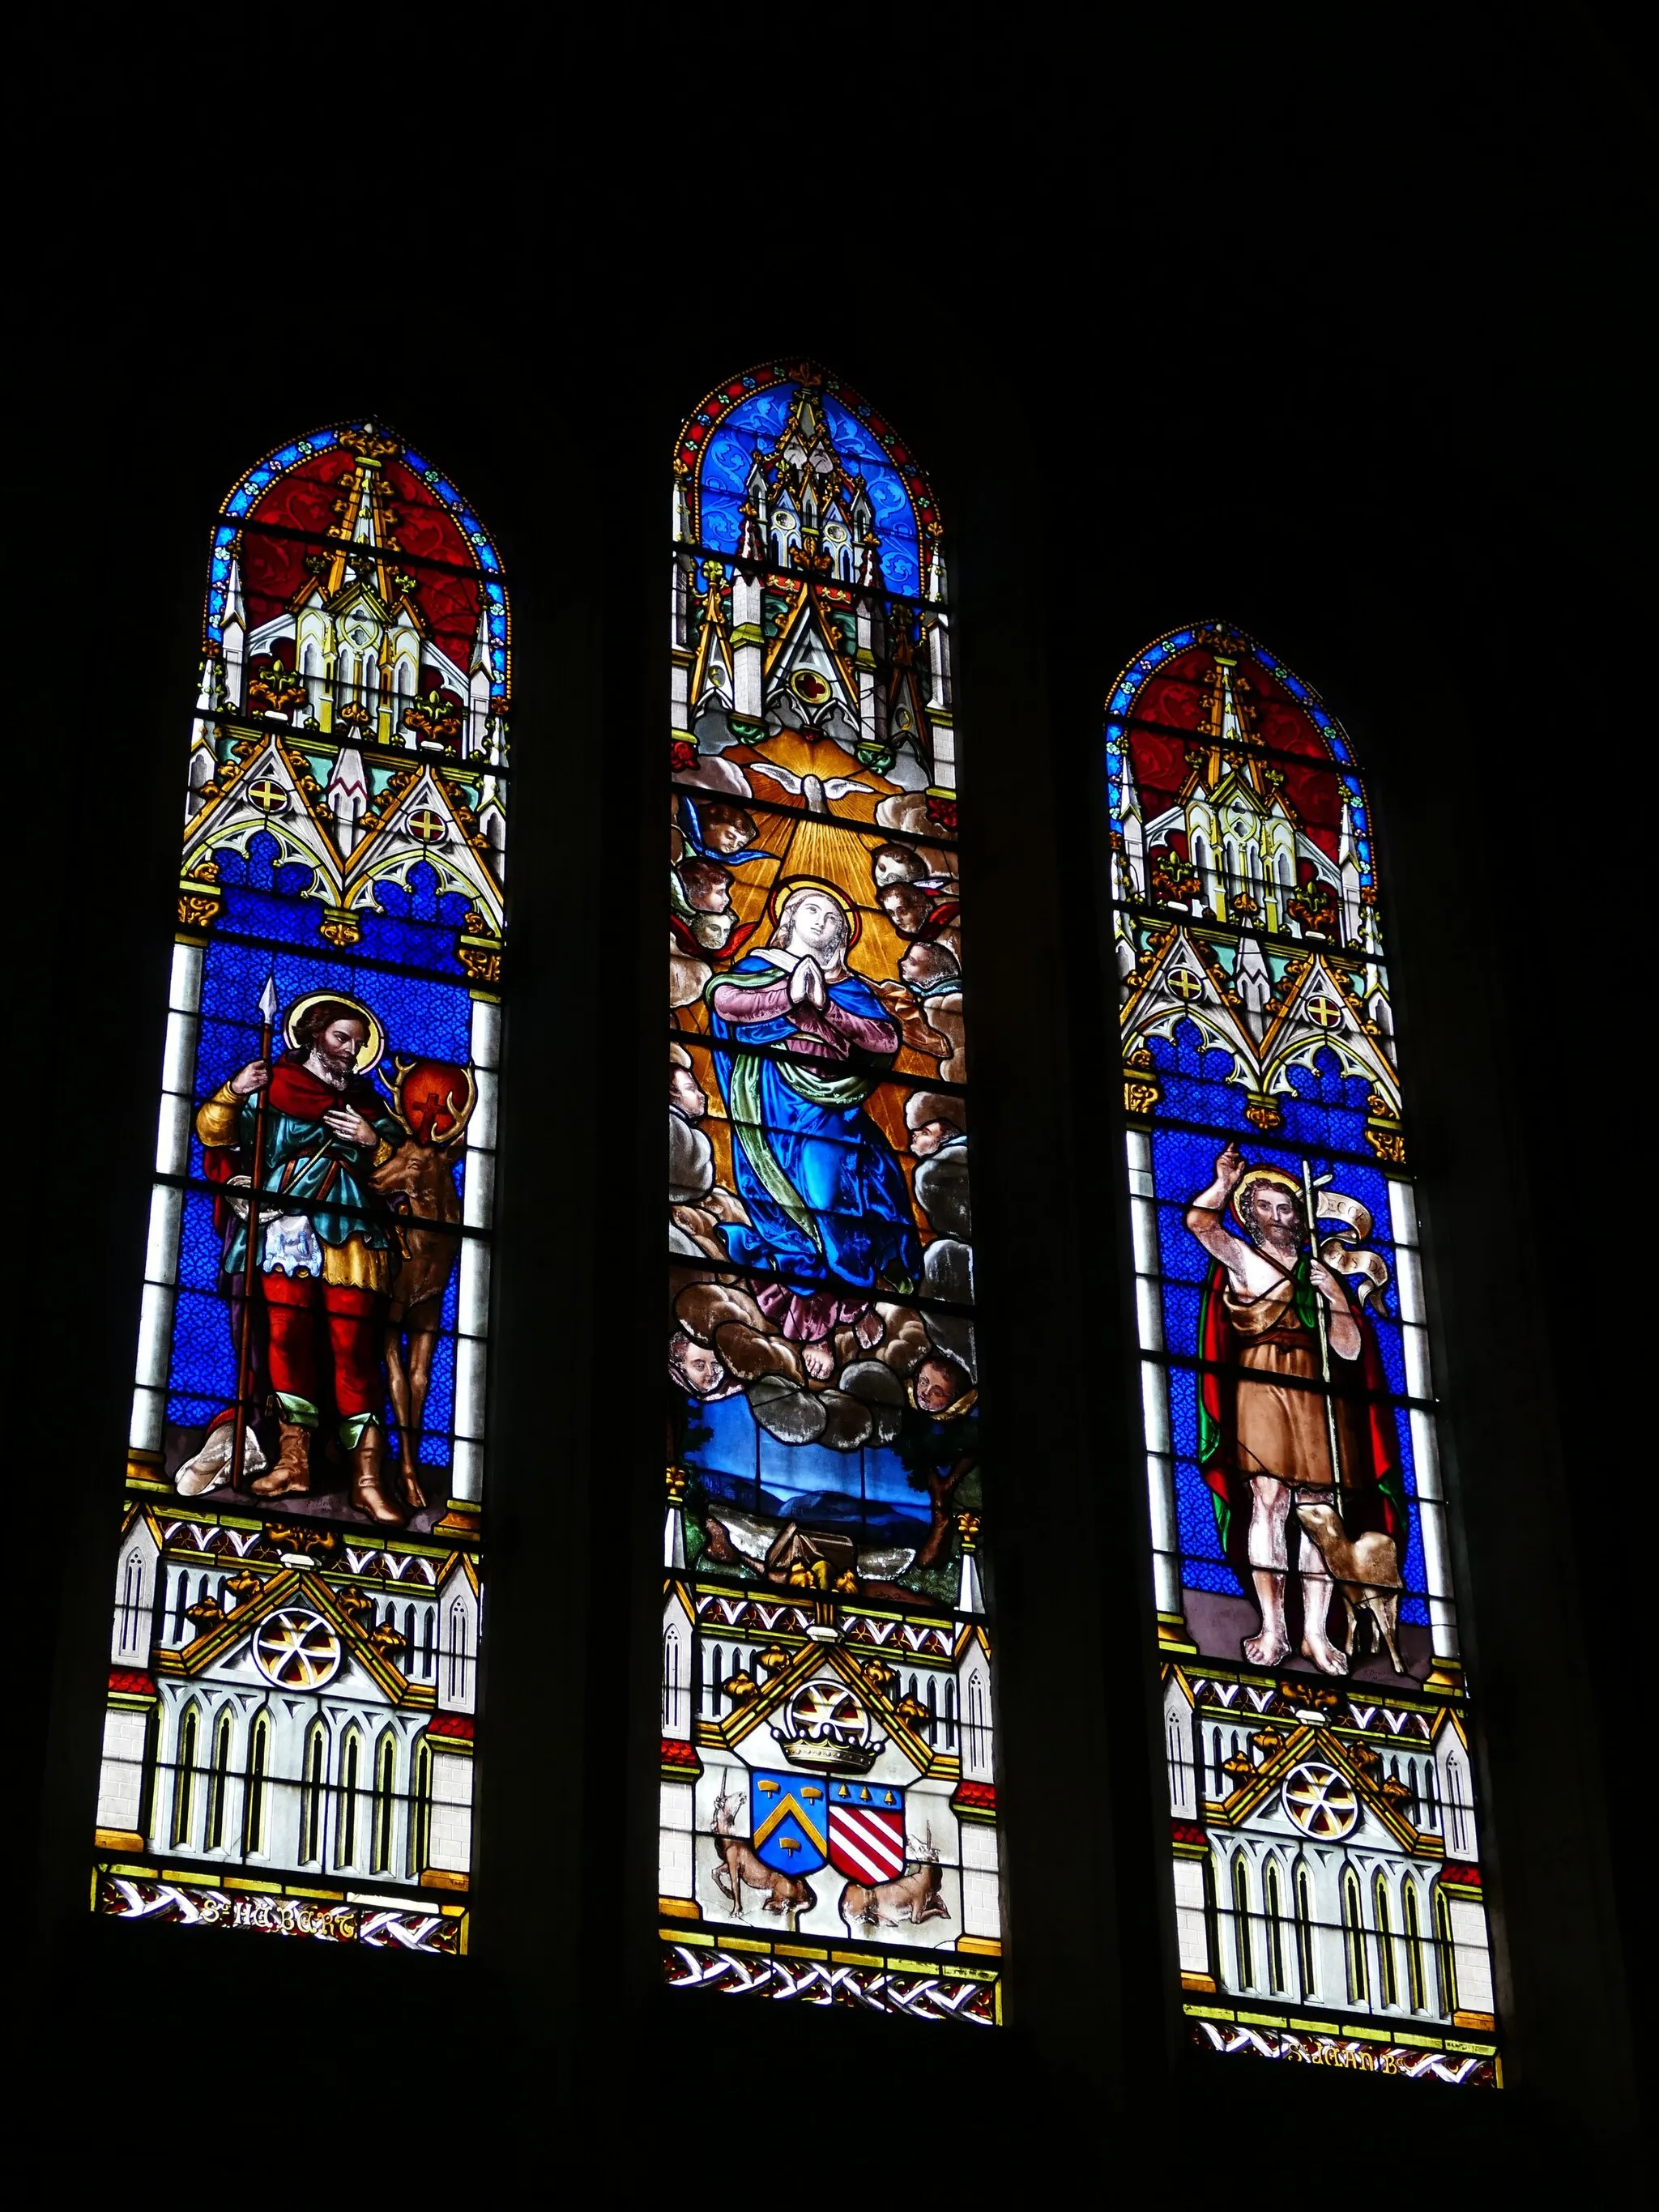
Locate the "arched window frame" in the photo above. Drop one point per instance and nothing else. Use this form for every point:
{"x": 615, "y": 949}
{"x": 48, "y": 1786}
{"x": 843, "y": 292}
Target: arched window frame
{"x": 1259, "y": 1063}
{"x": 811, "y": 650}
{"x": 344, "y": 792}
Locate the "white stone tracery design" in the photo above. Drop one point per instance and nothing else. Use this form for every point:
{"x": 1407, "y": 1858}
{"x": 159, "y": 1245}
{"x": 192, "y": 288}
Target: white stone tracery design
{"x": 296, "y": 1650}
{"x": 1320, "y": 1803}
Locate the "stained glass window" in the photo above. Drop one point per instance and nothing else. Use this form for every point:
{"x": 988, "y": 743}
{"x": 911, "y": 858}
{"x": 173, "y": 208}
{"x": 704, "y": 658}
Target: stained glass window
{"x": 829, "y": 1781}
{"x": 295, "y": 1657}
{"x": 1316, "y": 1712}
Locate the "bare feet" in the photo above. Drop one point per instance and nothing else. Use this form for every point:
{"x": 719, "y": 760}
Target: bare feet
{"x": 1325, "y": 1656}
{"x": 1266, "y": 1650}
{"x": 818, "y": 1359}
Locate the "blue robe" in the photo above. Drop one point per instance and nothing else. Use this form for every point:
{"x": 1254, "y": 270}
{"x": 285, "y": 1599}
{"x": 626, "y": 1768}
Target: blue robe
{"x": 823, "y": 1188}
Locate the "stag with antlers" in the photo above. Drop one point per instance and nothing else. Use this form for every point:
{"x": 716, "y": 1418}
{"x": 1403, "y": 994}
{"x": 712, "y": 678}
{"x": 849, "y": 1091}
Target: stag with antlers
{"x": 915, "y": 1896}
{"x": 434, "y": 1100}
{"x": 738, "y": 1868}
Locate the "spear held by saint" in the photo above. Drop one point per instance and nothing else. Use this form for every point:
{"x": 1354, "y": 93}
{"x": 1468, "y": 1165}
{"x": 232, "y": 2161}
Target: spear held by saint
{"x": 1322, "y": 1322}
{"x": 250, "y": 1257}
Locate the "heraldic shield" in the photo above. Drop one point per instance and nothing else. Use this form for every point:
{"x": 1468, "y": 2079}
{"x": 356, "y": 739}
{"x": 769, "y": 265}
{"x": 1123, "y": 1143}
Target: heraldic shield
{"x": 866, "y": 1831}
{"x": 788, "y": 1818}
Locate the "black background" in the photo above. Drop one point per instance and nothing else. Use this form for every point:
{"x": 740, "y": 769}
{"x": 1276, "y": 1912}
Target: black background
{"x": 1337, "y": 328}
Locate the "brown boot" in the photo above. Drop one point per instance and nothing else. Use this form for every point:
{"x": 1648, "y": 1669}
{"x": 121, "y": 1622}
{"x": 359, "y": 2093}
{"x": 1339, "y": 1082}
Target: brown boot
{"x": 367, "y": 1467}
{"x": 291, "y": 1476}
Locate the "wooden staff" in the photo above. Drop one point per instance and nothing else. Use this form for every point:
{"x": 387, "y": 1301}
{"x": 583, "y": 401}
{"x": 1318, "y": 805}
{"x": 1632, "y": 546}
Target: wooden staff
{"x": 1324, "y": 1336}
{"x": 250, "y": 1257}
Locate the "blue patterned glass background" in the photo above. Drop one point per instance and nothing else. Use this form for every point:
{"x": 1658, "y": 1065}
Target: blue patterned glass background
{"x": 426, "y": 1016}
{"x": 1324, "y": 1117}
{"x": 758, "y": 419}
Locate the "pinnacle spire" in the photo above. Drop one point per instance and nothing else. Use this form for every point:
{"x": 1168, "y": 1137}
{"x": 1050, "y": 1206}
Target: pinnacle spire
{"x": 483, "y": 656}
{"x": 363, "y": 526}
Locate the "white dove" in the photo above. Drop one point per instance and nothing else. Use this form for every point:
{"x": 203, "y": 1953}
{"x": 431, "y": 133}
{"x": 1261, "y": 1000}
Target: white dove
{"x": 817, "y": 790}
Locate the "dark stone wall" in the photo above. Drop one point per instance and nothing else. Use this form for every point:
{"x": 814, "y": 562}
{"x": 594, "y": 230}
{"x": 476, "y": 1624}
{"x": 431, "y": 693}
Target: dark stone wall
{"x": 1336, "y": 337}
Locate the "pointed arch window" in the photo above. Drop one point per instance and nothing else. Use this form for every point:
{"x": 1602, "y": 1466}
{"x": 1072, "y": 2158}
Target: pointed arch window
{"x": 1300, "y": 1562}
{"x": 1353, "y": 1941}
{"x": 131, "y": 1611}
{"x": 824, "y": 1515}
{"x": 254, "y": 1810}
{"x": 184, "y": 1776}
{"x": 1388, "y": 1965}
{"x": 1273, "y": 1901}
{"x": 351, "y": 1775}
{"x": 673, "y": 1687}
{"x": 313, "y": 1794}
{"x": 1243, "y": 1949}
{"x": 458, "y": 1654}
{"x": 314, "y": 1323}
{"x": 1445, "y": 1953}
{"x": 1416, "y": 1980}
{"x": 384, "y": 1811}
{"x": 1305, "y": 1951}
{"x": 219, "y": 1780}
{"x": 420, "y": 1822}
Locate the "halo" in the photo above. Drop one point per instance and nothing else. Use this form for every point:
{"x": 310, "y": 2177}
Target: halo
{"x": 1254, "y": 1176}
{"x": 375, "y": 1046}
{"x": 787, "y": 886}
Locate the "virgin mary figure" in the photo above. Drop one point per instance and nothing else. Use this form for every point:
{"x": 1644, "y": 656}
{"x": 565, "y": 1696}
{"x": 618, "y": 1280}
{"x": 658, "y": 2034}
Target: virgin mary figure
{"x": 807, "y": 1040}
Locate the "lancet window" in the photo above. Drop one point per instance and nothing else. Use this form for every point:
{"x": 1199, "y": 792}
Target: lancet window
{"x": 1305, "y": 1602}
{"x": 307, "y": 1437}
{"x": 825, "y": 1826}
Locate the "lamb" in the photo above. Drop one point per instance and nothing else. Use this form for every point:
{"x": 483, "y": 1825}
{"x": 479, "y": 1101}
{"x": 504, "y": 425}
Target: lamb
{"x": 1366, "y": 1570}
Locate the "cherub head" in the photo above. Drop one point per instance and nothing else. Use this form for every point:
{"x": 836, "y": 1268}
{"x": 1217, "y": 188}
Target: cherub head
{"x": 695, "y": 1367}
{"x": 728, "y": 830}
{"x": 932, "y": 1118}
{"x": 707, "y": 885}
{"x": 684, "y": 1092}
{"x": 896, "y": 864}
{"x": 906, "y": 906}
{"x": 929, "y": 967}
{"x": 942, "y": 1384}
